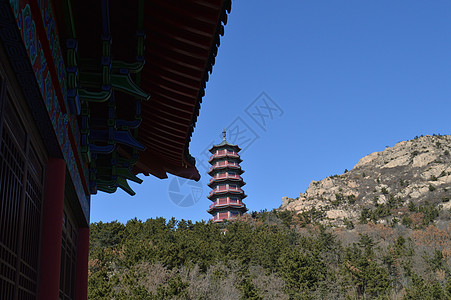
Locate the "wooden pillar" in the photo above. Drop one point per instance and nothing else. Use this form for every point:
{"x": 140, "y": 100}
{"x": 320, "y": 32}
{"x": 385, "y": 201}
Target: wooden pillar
{"x": 52, "y": 229}
{"x": 81, "y": 286}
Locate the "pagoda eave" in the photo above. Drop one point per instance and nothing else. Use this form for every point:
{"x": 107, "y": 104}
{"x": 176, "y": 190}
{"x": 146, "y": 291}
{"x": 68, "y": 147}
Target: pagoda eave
{"x": 236, "y": 157}
{"x": 222, "y": 193}
{"x": 235, "y": 168}
{"x": 225, "y": 145}
{"x": 222, "y": 180}
{"x": 213, "y": 211}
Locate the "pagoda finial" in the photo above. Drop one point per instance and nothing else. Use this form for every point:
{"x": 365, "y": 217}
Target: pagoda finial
{"x": 224, "y": 134}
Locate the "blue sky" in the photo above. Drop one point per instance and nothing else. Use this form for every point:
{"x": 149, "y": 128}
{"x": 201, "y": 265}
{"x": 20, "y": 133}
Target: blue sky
{"x": 341, "y": 79}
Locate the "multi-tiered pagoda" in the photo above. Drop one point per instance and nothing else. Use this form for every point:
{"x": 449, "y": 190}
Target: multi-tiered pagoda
{"x": 226, "y": 182}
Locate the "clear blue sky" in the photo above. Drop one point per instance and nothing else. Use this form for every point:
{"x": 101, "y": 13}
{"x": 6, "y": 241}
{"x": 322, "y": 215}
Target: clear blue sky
{"x": 348, "y": 79}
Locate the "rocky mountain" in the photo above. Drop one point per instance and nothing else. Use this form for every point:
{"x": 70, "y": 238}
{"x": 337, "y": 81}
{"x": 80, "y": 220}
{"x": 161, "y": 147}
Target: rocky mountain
{"x": 408, "y": 183}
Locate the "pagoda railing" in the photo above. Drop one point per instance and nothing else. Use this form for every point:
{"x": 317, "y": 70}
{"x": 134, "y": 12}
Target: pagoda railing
{"x": 221, "y": 203}
{"x": 225, "y": 188}
{"x": 225, "y": 216}
{"x": 224, "y": 164}
{"x": 225, "y": 176}
{"x": 223, "y": 153}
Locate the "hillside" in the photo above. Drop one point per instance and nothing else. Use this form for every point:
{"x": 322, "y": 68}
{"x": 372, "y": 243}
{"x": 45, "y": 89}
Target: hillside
{"x": 409, "y": 182}
{"x": 379, "y": 231}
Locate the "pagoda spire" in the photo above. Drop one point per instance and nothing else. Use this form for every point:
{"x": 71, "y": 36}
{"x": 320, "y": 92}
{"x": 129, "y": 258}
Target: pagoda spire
{"x": 226, "y": 182}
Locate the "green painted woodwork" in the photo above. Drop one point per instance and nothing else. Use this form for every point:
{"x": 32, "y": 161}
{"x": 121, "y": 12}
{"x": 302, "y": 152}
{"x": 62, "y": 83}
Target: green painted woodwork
{"x": 106, "y": 189}
{"x": 121, "y": 82}
{"x": 69, "y": 19}
{"x": 127, "y": 174}
{"x": 124, "y": 83}
{"x": 123, "y": 184}
{"x": 96, "y": 82}
{"x": 100, "y": 96}
{"x": 134, "y": 67}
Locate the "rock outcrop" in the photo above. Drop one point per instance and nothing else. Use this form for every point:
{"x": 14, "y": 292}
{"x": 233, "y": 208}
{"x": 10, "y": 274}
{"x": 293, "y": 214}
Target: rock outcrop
{"x": 382, "y": 185}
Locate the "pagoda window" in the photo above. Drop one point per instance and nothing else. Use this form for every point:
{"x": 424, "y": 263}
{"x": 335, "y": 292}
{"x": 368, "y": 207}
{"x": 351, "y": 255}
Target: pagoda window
{"x": 233, "y": 186}
{"x": 234, "y": 200}
{"x": 221, "y": 152}
{"x": 222, "y": 187}
{"x": 222, "y": 200}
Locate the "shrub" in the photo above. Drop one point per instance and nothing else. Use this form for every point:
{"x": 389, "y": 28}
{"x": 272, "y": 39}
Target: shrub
{"x": 364, "y": 215}
{"x": 406, "y": 221}
{"x": 348, "y": 224}
{"x": 430, "y": 212}
{"x": 412, "y": 207}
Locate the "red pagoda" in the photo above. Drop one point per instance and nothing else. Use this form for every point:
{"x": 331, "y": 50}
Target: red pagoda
{"x": 226, "y": 182}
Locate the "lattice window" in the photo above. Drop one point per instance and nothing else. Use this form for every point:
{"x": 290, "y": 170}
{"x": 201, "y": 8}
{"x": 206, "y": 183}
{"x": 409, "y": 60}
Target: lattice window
{"x": 21, "y": 188}
{"x": 68, "y": 258}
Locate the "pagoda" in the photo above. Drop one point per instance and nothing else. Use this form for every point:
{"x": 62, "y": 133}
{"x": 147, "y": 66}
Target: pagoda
{"x": 226, "y": 182}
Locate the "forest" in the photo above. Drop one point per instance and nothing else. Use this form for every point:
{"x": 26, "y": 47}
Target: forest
{"x": 268, "y": 255}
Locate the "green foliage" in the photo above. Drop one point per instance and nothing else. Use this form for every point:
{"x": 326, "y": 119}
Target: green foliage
{"x": 271, "y": 255}
{"x": 311, "y": 216}
{"x": 412, "y": 207}
{"x": 421, "y": 289}
{"x": 364, "y": 215}
{"x": 433, "y": 178}
{"x": 338, "y": 199}
{"x": 429, "y": 211}
{"x": 175, "y": 289}
{"x": 286, "y": 216}
{"x": 406, "y": 221}
{"x": 106, "y": 234}
{"x": 248, "y": 290}
{"x": 348, "y": 224}
{"x": 301, "y": 272}
{"x": 364, "y": 273}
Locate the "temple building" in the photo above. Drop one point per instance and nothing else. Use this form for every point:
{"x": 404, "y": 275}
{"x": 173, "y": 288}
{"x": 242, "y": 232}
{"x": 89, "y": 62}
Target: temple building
{"x": 92, "y": 93}
{"x": 226, "y": 182}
